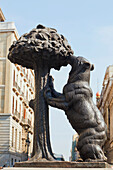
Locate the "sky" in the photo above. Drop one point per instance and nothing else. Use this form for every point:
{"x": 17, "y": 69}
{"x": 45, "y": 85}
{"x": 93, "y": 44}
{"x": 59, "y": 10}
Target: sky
{"x": 88, "y": 27}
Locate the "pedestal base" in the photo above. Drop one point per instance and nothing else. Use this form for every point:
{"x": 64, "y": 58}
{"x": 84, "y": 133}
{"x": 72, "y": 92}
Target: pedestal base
{"x": 63, "y": 164}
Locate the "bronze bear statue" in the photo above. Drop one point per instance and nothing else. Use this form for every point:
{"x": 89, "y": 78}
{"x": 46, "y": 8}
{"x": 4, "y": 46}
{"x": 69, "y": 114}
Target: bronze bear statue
{"x": 80, "y": 109}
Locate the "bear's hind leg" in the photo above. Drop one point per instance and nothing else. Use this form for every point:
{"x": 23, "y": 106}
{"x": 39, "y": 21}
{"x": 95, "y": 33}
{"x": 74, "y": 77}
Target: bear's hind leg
{"x": 92, "y": 153}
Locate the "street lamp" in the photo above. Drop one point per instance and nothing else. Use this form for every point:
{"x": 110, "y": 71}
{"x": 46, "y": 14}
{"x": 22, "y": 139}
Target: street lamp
{"x": 26, "y": 127}
{"x": 28, "y": 144}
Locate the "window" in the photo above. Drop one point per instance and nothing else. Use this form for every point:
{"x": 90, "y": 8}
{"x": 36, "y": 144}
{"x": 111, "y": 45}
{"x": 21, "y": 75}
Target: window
{"x": 2, "y": 95}
{"x": 19, "y": 140}
{"x": 20, "y": 111}
{"x": 11, "y": 161}
{"x": 12, "y": 136}
{"x": 13, "y": 105}
{"x": 29, "y": 97}
{"x": 21, "y": 84}
{"x": 27, "y": 74}
{"x": 3, "y": 45}
{"x": 108, "y": 118}
{"x": 16, "y": 139}
{"x": 24, "y": 89}
{"x": 30, "y": 79}
{"x": 2, "y": 72}
{"x": 27, "y": 94}
{"x": 16, "y": 105}
{"x": 17, "y": 78}
{"x": 14, "y": 78}
{"x": 24, "y": 113}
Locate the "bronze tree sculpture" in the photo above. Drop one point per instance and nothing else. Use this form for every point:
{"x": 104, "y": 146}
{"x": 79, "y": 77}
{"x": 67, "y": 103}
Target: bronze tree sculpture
{"x": 41, "y": 49}
{"x": 80, "y": 109}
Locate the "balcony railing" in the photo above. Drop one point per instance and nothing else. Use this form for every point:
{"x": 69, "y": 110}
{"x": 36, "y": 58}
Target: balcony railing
{"x": 32, "y": 87}
{"x": 31, "y": 129}
{"x": 23, "y": 119}
{"x": 21, "y": 93}
{"x": 29, "y": 122}
{"x": 26, "y": 122}
{"x": 26, "y": 101}
{"x": 17, "y": 86}
{"x": 29, "y": 82}
{"x": 16, "y": 115}
{"x": 26, "y": 76}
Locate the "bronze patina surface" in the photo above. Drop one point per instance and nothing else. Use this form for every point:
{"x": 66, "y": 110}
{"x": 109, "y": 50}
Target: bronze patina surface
{"x": 42, "y": 49}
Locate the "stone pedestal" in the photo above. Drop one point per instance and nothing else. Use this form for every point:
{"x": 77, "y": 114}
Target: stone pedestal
{"x": 63, "y": 164}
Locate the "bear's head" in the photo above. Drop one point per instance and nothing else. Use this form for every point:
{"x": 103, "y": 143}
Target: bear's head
{"x": 81, "y": 68}
{"x": 81, "y": 63}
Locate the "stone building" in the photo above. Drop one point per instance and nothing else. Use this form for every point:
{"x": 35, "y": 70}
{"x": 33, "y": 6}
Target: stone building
{"x": 16, "y": 89}
{"x": 105, "y": 104}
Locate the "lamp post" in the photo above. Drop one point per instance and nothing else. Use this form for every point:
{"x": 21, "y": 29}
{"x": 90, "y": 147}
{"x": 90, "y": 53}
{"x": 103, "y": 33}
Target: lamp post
{"x": 28, "y": 144}
{"x": 26, "y": 127}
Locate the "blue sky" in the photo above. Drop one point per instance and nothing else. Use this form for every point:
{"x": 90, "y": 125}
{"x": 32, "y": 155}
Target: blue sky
{"x": 88, "y": 27}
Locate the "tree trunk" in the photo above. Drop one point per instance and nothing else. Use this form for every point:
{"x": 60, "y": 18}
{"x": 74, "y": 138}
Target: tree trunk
{"x": 41, "y": 144}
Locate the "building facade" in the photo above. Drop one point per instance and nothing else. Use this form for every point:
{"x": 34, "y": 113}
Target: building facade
{"x": 105, "y": 104}
{"x": 74, "y": 152}
{"x": 16, "y": 90}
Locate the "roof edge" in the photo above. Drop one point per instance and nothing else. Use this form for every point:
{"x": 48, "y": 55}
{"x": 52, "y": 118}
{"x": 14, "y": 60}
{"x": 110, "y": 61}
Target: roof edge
{"x": 2, "y": 17}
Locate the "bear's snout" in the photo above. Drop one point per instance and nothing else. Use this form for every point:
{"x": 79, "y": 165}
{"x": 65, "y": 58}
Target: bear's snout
{"x": 92, "y": 67}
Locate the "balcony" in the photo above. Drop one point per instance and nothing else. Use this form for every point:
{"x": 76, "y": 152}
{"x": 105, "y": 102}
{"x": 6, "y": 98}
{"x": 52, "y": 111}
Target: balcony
{"x": 26, "y": 123}
{"x": 29, "y": 82}
{"x": 21, "y": 95}
{"x": 26, "y": 102}
{"x": 17, "y": 66}
{"x": 26, "y": 75}
{"x": 23, "y": 121}
{"x": 16, "y": 116}
{"x": 31, "y": 110}
{"x": 31, "y": 90}
{"x": 29, "y": 122}
{"x": 23, "y": 70}
{"x": 31, "y": 129}
{"x": 32, "y": 87}
{"x": 17, "y": 90}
